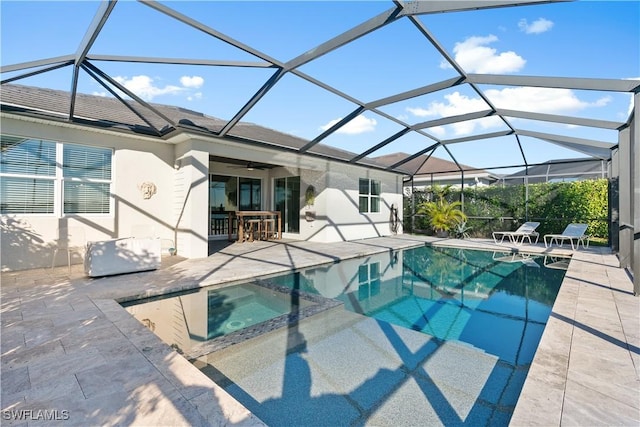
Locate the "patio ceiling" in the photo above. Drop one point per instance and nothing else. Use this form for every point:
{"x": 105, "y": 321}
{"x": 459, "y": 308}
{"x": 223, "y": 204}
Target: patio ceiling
{"x": 89, "y": 62}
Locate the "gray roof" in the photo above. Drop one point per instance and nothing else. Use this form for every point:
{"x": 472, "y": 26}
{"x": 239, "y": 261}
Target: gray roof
{"x": 564, "y": 167}
{"x": 425, "y": 165}
{"x": 109, "y": 112}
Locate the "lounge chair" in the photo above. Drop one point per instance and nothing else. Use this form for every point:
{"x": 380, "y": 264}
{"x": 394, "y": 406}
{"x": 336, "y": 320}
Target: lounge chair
{"x": 574, "y": 233}
{"x": 513, "y": 257}
{"x": 556, "y": 262}
{"x": 525, "y": 231}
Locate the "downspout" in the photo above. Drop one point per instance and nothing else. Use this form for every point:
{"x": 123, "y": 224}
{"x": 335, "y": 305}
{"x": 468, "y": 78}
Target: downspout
{"x": 462, "y": 190}
{"x": 413, "y": 206}
{"x": 526, "y": 193}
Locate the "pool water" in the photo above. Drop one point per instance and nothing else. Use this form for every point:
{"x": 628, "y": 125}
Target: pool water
{"x": 191, "y": 320}
{"x": 242, "y": 306}
{"x": 495, "y": 301}
{"x": 424, "y": 336}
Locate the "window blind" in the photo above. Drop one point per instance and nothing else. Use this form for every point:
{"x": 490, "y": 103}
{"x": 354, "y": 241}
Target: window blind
{"x": 32, "y": 181}
{"x": 86, "y": 162}
{"x": 26, "y": 195}
{"x": 86, "y": 198}
{"x": 27, "y": 156}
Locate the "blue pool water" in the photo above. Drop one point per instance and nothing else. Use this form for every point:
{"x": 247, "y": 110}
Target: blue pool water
{"x": 192, "y": 319}
{"x": 495, "y": 301}
{"x": 239, "y": 307}
{"x": 425, "y": 336}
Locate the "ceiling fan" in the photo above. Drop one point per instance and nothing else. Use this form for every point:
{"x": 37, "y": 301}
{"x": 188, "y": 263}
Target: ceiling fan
{"x": 252, "y": 166}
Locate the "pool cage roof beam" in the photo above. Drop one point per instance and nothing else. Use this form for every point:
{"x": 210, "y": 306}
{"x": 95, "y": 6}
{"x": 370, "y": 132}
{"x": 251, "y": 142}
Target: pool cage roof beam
{"x": 89, "y": 38}
{"x": 409, "y": 10}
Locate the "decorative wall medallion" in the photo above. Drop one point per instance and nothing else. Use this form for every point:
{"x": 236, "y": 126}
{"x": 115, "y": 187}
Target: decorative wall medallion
{"x": 147, "y": 189}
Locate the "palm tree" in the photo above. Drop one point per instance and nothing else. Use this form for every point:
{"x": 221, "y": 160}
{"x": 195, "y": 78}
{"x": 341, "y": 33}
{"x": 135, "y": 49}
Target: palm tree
{"x": 443, "y": 215}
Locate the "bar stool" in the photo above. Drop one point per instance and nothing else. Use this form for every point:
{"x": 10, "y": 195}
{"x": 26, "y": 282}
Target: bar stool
{"x": 254, "y": 226}
{"x": 268, "y": 228}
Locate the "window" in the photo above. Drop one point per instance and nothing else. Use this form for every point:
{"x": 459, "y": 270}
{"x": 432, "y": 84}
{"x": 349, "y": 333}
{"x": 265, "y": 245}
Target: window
{"x": 368, "y": 280}
{"x": 250, "y": 194}
{"x": 223, "y": 193}
{"x": 369, "y": 200}
{"x": 46, "y": 177}
{"x": 86, "y": 174}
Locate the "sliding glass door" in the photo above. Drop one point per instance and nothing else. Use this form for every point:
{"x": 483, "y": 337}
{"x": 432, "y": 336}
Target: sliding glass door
{"x": 228, "y": 194}
{"x": 250, "y": 194}
{"x": 287, "y": 201}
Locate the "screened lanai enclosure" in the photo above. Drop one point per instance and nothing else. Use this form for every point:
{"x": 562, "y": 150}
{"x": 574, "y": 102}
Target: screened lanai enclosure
{"x": 353, "y": 82}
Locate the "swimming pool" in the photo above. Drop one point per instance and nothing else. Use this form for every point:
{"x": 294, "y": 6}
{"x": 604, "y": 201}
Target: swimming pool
{"x": 423, "y": 336}
{"x": 496, "y": 301}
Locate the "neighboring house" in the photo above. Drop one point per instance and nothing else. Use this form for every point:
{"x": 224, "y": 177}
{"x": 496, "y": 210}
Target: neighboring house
{"x": 560, "y": 171}
{"x": 107, "y": 173}
{"x": 433, "y": 170}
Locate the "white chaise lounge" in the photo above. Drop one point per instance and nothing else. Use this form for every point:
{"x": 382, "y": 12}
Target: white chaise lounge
{"x": 525, "y": 231}
{"x": 574, "y": 233}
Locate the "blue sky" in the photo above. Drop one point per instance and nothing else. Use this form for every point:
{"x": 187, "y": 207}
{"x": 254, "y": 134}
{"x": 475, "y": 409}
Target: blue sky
{"x": 574, "y": 39}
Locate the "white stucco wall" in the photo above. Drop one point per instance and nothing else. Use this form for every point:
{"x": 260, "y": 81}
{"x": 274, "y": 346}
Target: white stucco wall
{"x": 178, "y": 212}
{"x": 26, "y": 239}
{"x": 337, "y": 214}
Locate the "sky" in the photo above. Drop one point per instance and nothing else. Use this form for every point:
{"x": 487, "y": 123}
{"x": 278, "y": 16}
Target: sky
{"x": 597, "y": 39}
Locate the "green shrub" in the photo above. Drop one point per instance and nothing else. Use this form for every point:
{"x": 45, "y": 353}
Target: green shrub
{"x": 554, "y": 205}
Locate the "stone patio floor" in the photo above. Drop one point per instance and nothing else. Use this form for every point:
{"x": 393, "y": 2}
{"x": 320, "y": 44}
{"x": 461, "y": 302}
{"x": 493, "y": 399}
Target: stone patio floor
{"x": 71, "y": 355}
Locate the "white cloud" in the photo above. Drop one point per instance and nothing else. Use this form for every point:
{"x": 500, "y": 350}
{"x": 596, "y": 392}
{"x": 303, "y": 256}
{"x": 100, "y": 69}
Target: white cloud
{"x": 143, "y": 86}
{"x": 538, "y": 26}
{"x": 474, "y": 56}
{"x": 146, "y": 88}
{"x": 455, "y": 104}
{"x": 360, "y": 124}
{"x": 192, "y": 81}
{"x": 544, "y": 100}
{"x": 195, "y": 96}
{"x": 438, "y": 131}
{"x": 103, "y": 94}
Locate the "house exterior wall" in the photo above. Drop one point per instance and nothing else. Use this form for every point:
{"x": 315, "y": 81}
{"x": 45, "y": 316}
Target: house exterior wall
{"x": 26, "y": 240}
{"x": 337, "y": 212}
{"x": 336, "y": 204}
{"x": 178, "y": 212}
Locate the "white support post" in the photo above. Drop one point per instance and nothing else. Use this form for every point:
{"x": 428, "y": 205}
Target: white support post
{"x": 625, "y": 194}
{"x": 635, "y": 194}
{"x": 192, "y": 202}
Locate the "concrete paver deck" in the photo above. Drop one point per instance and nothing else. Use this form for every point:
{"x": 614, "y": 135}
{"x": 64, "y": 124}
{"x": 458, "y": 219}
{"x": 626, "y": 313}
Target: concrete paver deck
{"x": 71, "y": 353}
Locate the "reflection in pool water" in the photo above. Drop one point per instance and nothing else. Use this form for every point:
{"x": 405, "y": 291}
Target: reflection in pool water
{"x": 498, "y": 302}
{"x": 480, "y": 316}
{"x": 187, "y": 320}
